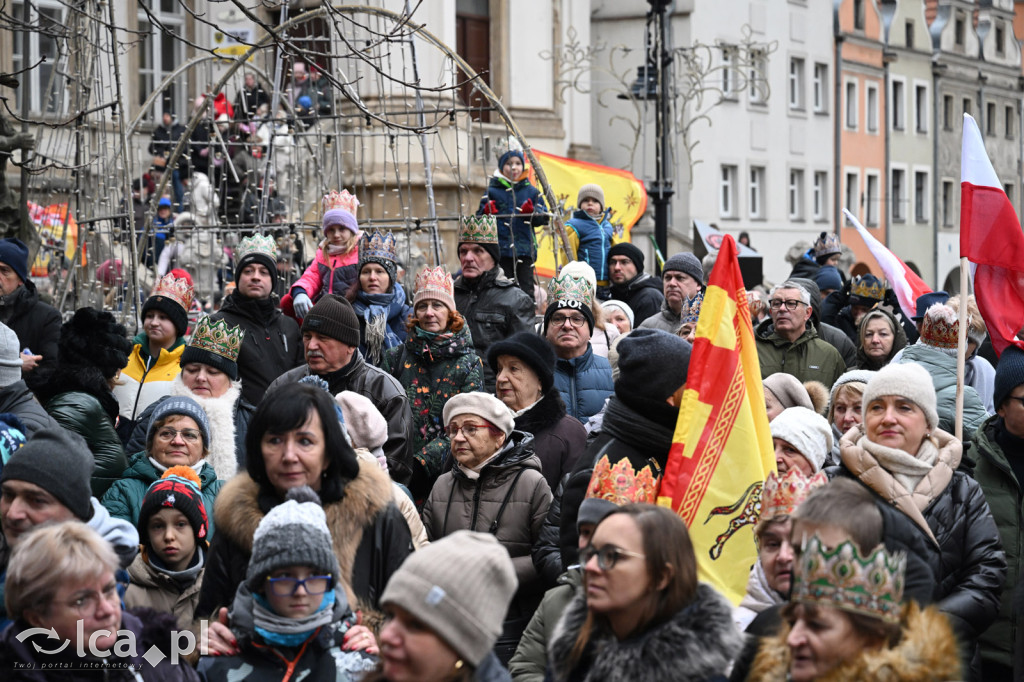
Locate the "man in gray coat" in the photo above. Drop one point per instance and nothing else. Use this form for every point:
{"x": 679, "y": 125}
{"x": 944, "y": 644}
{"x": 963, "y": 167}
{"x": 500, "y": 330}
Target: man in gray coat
{"x": 682, "y": 279}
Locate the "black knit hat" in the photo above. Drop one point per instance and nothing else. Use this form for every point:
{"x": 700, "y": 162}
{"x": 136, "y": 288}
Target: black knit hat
{"x": 568, "y": 304}
{"x": 93, "y": 338}
{"x": 177, "y": 315}
{"x": 333, "y": 316}
{"x": 179, "y": 488}
{"x": 59, "y": 462}
{"x": 14, "y": 254}
{"x": 653, "y": 364}
{"x": 532, "y": 349}
{"x": 629, "y": 251}
{"x": 1009, "y": 374}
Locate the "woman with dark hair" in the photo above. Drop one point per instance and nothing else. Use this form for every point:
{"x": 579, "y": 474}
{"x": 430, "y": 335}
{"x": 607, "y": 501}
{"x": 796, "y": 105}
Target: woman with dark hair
{"x": 378, "y": 297}
{"x": 436, "y": 363}
{"x": 296, "y": 438}
{"x": 643, "y": 615}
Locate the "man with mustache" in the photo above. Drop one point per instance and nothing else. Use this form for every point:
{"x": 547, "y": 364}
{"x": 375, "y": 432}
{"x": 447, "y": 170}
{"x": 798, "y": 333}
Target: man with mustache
{"x": 330, "y": 338}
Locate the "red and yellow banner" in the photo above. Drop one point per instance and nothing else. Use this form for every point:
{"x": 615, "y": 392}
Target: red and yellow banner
{"x": 624, "y": 193}
{"x": 722, "y": 449}
{"x": 49, "y": 223}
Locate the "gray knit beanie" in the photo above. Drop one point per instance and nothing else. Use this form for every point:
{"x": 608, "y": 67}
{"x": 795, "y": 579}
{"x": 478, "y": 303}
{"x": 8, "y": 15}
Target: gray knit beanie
{"x": 590, "y": 192}
{"x": 460, "y": 586}
{"x": 184, "y": 406}
{"x": 293, "y": 533}
{"x": 788, "y": 390}
{"x": 59, "y": 462}
{"x": 854, "y": 376}
{"x": 910, "y": 381}
{"x": 685, "y": 262}
{"x": 483, "y": 405}
{"x": 805, "y": 430}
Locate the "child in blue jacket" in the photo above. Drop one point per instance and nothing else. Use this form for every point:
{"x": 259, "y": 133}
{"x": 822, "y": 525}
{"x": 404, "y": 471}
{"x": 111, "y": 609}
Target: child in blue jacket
{"x": 591, "y": 231}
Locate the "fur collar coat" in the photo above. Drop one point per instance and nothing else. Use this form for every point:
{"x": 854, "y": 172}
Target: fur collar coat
{"x": 697, "y": 643}
{"x": 927, "y": 651}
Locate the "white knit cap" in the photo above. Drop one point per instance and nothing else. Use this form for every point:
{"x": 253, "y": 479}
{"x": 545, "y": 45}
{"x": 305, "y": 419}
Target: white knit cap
{"x": 907, "y": 380}
{"x": 483, "y": 405}
{"x": 620, "y": 305}
{"x": 805, "y": 430}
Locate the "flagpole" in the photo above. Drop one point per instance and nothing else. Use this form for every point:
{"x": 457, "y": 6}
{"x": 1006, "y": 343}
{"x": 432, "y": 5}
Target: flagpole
{"x": 961, "y": 348}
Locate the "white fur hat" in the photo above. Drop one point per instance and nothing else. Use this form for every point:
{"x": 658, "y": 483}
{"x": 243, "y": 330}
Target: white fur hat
{"x": 805, "y": 430}
{"x": 908, "y": 380}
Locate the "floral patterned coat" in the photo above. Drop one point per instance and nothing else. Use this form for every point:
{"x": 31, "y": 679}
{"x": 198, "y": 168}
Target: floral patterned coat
{"x": 432, "y": 370}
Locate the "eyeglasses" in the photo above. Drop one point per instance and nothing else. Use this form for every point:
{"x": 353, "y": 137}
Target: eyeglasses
{"x": 791, "y": 304}
{"x": 314, "y": 584}
{"x": 468, "y": 430}
{"x": 575, "y": 320}
{"x": 607, "y": 556}
{"x": 88, "y": 602}
{"x": 168, "y": 434}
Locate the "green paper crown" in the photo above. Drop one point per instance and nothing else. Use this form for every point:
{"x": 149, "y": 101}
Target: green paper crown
{"x": 479, "y": 229}
{"x": 840, "y": 578}
{"x": 218, "y": 338}
{"x": 256, "y": 244}
{"x": 570, "y": 287}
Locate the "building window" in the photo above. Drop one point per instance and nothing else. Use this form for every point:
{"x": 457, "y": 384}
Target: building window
{"x": 796, "y": 83}
{"x": 921, "y": 196}
{"x": 758, "y": 85}
{"x": 1000, "y": 38}
{"x": 46, "y": 46}
{"x": 947, "y": 112}
{"x": 908, "y": 34}
{"x": 921, "y": 108}
{"x": 473, "y": 43}
{"x": 858, "y": 14}
{"x": 897, "y": 195}
{"x": 959, "y": 28}
{"x": 873, "y": 200}
{"x": 990, "y": 118}
{"x": 820, "y": 88}
{"x": 796, "y": 194}
{"x": 1008, "y": 188}
{"x": 727, "y": 194}
{"x": 851, "y": 105}
{"x": 820, "y": 195}
{"x": 947, "y": 203}
{"x": 161, "y": 50}
{"x": 871, "y": 107}
{"x": 852, "y": 193}
{"x": 899, "y": 111}
{"x": 757, "y": 192}
{"x": 967, "y": 105}
{"x": 728, "y": 75}
{"x": 1008, "y": 122}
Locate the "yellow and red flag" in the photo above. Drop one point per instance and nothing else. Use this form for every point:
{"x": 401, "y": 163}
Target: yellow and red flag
{"x": 624, "y": 193}
{"x": 722, "y": 449}
{"x": 49, "y": 222}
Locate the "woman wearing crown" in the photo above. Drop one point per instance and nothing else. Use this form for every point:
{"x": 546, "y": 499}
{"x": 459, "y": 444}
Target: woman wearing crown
{"x": 378, "y": 297}
{"x": 335, "y": 267}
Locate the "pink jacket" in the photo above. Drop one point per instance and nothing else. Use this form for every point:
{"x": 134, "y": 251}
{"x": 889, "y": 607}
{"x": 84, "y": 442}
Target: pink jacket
{"x": 339, "y": 272}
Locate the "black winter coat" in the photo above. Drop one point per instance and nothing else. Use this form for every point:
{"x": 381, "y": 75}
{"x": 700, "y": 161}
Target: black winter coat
{"x": 38, "y": 328}
{"x": 643, "y": 294}
{"x": 272, "y": 344}
{"x": 558, "y": 439}
{"x": 18, "y": 400}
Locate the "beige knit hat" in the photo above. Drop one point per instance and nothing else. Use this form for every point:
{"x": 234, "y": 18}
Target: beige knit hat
{"x": 483, "y": 405}
{"x": 460, "y": 586}
{"x": 591, "y": 192}
{"x": 910, "y": 381}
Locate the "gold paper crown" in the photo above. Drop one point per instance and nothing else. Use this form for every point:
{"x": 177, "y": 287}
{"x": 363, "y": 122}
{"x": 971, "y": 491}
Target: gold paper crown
{"x": 693, "y": 309}
{"x": 437, "y": 279}
{"x": 622, "y": 484}
{"x": 868, "y": 286}
{"x": 505, "y": 145}
{"x": 940, "y": 327}
{"x": 780, "y": 496}
{"x": 256, "y": 244}
{"x": 218, "y": 338}
{"x": 840, "y": 578}
{"x": 827, "y": 243}
{"x": 178, "y": 290}
{"x": 378, "y": 247}
{"x": 479, "y": 229}
{"x": 343, "y": 200}
{"x": 567, "y": 286}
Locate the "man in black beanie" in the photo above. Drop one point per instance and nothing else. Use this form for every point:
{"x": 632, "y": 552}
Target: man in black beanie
{"x": 638, "y": 425}
{"x": 631, "y": 285}
{"x": 330, "y": 338}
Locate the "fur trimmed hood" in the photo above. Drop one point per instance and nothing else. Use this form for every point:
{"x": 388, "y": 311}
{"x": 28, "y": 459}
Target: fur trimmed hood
{"x": 697, "y": 643}
{"x": 926, "y": 652}
{"x": 545, "y": 414}
{"x": 221, "y": 413}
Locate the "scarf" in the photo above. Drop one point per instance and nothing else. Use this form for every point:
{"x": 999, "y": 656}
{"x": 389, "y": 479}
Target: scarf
{"x": 182, "y": 578}
{"x": 375, "y": 310}
{"x": 474, "y": 473}
{"x": 759, "y": 595}
{"x": 908, "y": 470}
{"x": 290, "y": 632}
{"x": 197, "y": 467}
{"x": 629, "y": 426}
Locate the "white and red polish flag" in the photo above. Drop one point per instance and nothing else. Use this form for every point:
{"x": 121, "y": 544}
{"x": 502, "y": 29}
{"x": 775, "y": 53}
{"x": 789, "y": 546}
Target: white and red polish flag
{"x": 992, "y": 240}
{"x": 904, "y": 281}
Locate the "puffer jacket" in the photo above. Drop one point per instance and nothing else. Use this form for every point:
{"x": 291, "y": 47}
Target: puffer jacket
{"x": 666, "y": 320}
{"x": 272, "y": 343}
{"x": 531, "y": 658}
{"x": 591, "y": 241}
{"x": 515, "y": 230}
{"x": 157, "y": 590}
{"x": 495, "y": 309}
{"x": 328, "y": 275}
{"x": 37, "y": 326}
{"x": 145, "y": 378}
{"x": 972, "y": 564}
{"x": 808, "y": 358}
{"x": 942, "y": 368}
{"x": 1005, "y": 497}
{"x": 558, "y": 439}
{"x": 124, "y": 498}
{"x": 386, "y": 394}
{"x": 17, "y": 399}
{"x": 509, "y": 499}
{"x": 398, "y": 313}
{"x": 584, "y": 382}
{"x": 643, "y": 294}
{"x": 432, "y": 369}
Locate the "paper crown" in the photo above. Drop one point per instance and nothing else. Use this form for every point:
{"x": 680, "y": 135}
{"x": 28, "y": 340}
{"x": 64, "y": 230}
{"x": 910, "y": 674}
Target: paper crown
{"x": 256, "y": 244}
{"x": 571, "y": 286}
{"x": 505, "y": 145}
{"x": 940, "y": 327}
{"x": 840, "y": 578}
{"x": 693, "y": 309}
{"x": 621, "y": 484}
{"x": 479, "y": 229}
{"x": 178, "y": 290}
{"x": 437, "y": 280}
{"x": 868, "y": 286}
{"x": 218, "y": 338}
{"x": 341, "y": 200}
{"x": 379, "y": 246}
{"x": 780, "y": 496}
{"x": 826, "y": 244}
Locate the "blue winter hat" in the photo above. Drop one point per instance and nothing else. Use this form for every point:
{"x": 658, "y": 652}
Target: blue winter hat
{"x": 14, "y": 253}
{"x": 164, "y": 201}
{"x": 508, "y": 155}
{"x": 12, "y": 436}
{"x": 305, "y": 102}
{"x": 926, "y": 301}
{"x": 828, "y": 277}
{"x": 185, "y": 407}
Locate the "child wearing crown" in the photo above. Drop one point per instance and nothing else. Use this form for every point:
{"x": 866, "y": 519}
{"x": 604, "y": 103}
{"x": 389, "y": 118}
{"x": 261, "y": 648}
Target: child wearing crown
{"x": 518, "y": 207}
{"x": 335, "y": 266}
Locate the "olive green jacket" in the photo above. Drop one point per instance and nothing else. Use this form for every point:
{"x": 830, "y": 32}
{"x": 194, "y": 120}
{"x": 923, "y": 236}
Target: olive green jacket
{"x": 808, "y": 358}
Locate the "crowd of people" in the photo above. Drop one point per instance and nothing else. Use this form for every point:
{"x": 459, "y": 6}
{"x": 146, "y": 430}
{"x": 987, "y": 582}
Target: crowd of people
{"x": 345, "y": 480}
